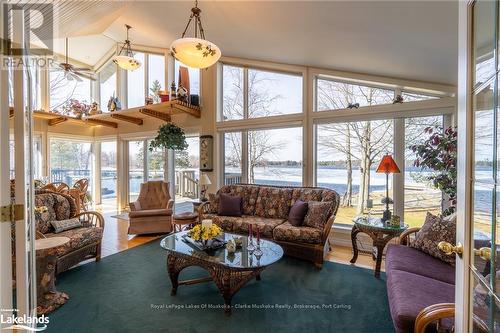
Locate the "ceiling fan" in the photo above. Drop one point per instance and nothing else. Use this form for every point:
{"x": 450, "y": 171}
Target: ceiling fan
{"x": 73, "y": 73}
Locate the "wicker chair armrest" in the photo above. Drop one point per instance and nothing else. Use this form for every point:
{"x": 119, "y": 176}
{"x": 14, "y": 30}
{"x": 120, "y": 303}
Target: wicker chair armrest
{"x": 203, "y": 209}
{"x": 433, "y": 313}
{"x": 328, "y": 228}
{"x": 39, "y": 235}
{"x": 404, "y": 238}
{"x": 92, "y": 219}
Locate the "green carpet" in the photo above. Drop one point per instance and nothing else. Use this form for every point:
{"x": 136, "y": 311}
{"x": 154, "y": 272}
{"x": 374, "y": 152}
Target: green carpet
{"x": 130, "y": 292}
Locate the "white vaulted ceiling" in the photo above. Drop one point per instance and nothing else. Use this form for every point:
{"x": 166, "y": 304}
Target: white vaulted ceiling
{"x": 403, "y": 39}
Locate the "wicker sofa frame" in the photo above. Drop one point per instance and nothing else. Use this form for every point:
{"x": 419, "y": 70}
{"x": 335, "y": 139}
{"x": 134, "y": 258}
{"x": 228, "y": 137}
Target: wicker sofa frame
{"x": 310, "y": 252}
{"x": 89, "y": 219}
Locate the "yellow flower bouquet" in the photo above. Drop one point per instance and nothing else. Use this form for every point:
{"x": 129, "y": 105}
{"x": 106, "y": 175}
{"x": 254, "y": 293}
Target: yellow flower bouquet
{"x": 203, "y": 233}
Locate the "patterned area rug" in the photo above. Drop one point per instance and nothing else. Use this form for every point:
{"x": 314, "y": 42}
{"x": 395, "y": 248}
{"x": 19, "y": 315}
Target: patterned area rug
{"x": 130, "y": 292}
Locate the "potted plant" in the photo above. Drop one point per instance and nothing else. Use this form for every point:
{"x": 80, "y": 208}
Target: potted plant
{"x": 439, "y": 154}
{"x": 169, "y": 136}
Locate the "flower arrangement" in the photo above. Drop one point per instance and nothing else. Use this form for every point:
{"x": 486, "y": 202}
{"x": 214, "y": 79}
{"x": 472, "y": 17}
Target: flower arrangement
{"x": 204, "y": 233}
{"x": 439, "y": 154}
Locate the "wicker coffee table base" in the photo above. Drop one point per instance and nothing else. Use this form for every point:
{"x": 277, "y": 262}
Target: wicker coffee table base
{"x": 228, "y": 280}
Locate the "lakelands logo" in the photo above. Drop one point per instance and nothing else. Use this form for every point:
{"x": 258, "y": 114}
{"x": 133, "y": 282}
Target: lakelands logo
{"x": 27, "y": 323}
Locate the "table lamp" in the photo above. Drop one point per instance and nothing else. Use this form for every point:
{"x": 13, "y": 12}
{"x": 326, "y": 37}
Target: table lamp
{"x": 387, "y": 166}
{"x": 204, "y": 181}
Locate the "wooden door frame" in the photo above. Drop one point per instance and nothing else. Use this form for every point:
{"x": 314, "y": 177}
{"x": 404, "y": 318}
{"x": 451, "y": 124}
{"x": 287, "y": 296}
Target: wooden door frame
{"x": 464, "y": 166}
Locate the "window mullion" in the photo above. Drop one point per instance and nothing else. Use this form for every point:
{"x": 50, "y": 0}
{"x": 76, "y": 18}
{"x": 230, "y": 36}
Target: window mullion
{"x": 245, "y": 93}
{"x": 244, "y": 156}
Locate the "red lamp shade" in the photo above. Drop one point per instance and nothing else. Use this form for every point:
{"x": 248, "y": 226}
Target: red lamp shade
{"x": 387, "y": 165}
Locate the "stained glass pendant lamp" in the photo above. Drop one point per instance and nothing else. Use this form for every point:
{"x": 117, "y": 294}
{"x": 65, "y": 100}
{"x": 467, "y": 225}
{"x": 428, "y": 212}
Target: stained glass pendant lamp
{"x": 196, "y": 52}
{"x": 125, "y": 58}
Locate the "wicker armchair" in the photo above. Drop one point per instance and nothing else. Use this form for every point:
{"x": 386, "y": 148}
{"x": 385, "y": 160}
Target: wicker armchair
{"x": 85, "y": 241}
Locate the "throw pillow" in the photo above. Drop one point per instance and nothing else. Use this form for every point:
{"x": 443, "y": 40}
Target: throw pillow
{"x": 298, "y": 213}
{"x": 317, "y": 214}
{"x": 230, "y": 205}
{"x": 63, "y": 225}
{"x": 435, "y": 230}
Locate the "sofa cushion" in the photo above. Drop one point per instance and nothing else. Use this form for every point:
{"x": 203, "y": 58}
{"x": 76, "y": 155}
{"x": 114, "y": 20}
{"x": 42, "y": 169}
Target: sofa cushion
{"x": 150, "y": 212}
{"x": 263, "y": 224}
{"x": 435, "y": 230}
{"x": 79, "y": 238}
{"x": 298, "y": 213}
{"x": 307, "y": 194}
{"x": 410, "y": 293}
{"x": 408, "y": 259}
{"x": 249, "y": 194}
{"x": 317, "y": 214}
{"x": 273, "y": 202}
{"x": 62, "y": 225}
{"x": 43, "y": 219}
{"x": 225, "y": 222}
{"x": 62, "y": 207}
{"x": 230, "y": 205}
{"x": 290, "y": 233}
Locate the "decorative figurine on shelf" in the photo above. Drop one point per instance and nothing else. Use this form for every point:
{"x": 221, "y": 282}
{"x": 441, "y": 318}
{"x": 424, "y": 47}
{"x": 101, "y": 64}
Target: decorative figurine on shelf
{"x": 387, "y": 166}
{"x": 114, "y": 104}
{"x": 148, "y": 101}
{"x": 173, "y": 90}
{"x": 182, "y": 94}
{"x": 94, "y": 109}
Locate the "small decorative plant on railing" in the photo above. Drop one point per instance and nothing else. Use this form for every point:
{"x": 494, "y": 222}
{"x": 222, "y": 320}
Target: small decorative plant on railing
{"x": 169, "y": 136}
{"x": 439, "y": 154}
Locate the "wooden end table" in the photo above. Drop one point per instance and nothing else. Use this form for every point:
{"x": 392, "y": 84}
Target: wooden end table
{"x": 48, "y": 298}
{"x": 380, "y": 232}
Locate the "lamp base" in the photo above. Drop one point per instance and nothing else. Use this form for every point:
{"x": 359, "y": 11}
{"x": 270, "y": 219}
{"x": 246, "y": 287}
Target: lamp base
{"x": 387, "y": 215}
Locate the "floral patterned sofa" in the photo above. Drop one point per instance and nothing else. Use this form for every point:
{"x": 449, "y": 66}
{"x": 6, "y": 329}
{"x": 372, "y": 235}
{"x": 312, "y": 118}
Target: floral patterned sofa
{"x": 85, "y": 241}
{"x": 267, "y": 207}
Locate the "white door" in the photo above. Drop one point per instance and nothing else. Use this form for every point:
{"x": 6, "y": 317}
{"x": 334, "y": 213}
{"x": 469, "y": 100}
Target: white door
{"x": 476, "y": 296}
{"x": 16, "y": 218}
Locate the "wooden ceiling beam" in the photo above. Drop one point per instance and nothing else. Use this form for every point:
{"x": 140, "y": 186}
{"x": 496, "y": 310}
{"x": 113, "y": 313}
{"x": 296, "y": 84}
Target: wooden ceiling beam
{"x": 156, "y": 114}
{"x": 56, "y": 121}
{"x": 100, "y": 122}
{"x": 129, "y": 119}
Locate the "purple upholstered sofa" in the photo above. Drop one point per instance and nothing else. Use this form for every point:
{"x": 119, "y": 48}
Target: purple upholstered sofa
{"x": 416, "y": 281}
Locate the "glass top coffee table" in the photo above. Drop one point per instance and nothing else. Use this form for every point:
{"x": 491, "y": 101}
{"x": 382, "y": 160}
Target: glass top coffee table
{"x": 229, "y": 271}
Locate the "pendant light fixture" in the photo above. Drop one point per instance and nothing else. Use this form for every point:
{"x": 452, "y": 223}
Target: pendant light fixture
{"x": 195, "y": 51}
{"x": 125, "y": 58}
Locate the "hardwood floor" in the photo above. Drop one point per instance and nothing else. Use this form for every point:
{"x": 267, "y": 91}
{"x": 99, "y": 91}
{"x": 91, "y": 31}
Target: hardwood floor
{"x": 116, "y": 239}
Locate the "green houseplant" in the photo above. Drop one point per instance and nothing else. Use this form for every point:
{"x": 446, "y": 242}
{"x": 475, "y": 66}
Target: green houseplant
{"x": 169, "y": 136}
{"x": 439, "y": 154}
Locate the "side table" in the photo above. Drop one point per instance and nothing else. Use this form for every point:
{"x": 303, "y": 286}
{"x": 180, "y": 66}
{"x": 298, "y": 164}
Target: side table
{"x": 48, "y": 298}
{"x": 184, "y": 219}
{"x": 380, "y": 232}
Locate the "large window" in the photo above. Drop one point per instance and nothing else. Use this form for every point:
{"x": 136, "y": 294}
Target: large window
{"x": 64, "y": 88}
{"x": 136, "y": 84}
{"x": 193, "y": 77}
{"x": 420, "y": 196}
{"x": 147, "y": 80}
{"x": 136, "y": 168}
{"x": 333, "y": 95}
{"x": 70, "y": 161}
{"x": 107, "y": 85}
{"x": 109, "y": 175}
{"x": 347, "y": 157}
{"x": 274, "y": 156}
{"x": 187, "y": 169}
{"x": 254, "y": 93}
